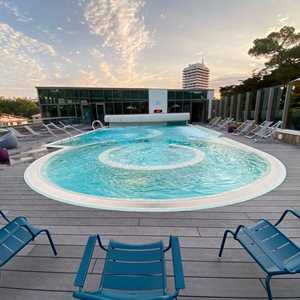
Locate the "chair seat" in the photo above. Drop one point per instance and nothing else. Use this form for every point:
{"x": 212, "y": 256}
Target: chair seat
{"x": 274, "y": 251}
{"x": 131, "y": 272}
{"x": 129, "y": 295}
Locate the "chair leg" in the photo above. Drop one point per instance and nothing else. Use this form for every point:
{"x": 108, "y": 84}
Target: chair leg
{"x": 50, "y": 241}
{"x": 268, "y": 286}
{"x": 223, "y": 241}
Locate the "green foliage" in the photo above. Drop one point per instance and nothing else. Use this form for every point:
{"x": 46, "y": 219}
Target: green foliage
{"x": 19, "y": 107}
{"x": 279, "y": 48}
{"x": 282, "y": 51}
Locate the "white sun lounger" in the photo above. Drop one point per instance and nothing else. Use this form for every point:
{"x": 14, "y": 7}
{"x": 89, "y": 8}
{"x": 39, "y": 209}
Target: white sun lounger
{"x": 214, "y": 121}
{"x": 32, "y": 131}
{"x": 244, "y": 128}
{"x": 58, "y": 128}
{"x": 219, "y": 122}
{"x": 68, "y": 126}
{"x": 225, "y": 124}
{"x": 258, "y": 129}
{"x": 267, "y": 132}
{"x": 50, "y": 131}
{"x": 18, "y": 134}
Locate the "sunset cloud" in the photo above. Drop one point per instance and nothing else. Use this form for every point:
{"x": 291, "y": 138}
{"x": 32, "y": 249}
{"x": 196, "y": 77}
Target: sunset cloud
{"x": 119, "y": 25}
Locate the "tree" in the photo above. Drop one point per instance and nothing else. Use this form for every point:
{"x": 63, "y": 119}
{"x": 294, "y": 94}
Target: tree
{"x": 280, "y": 48}
{"x": 19, "y": 107}
{"x": 282, "y": 51}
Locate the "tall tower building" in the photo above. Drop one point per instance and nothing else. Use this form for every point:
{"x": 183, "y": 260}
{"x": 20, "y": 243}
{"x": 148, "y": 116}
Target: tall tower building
{"x": 195, "y": 76}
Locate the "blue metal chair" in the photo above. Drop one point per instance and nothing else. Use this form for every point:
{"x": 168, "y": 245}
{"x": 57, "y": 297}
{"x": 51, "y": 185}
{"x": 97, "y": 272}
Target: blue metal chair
{"x": 15, "y": 235}
{"x": 131, "y": 272}
{"x": 269, "y": 247}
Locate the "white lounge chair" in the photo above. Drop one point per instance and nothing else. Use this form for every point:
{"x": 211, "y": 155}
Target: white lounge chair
{"x": 244, "y": 128}
{"x": 50, "y": 131}
{"x": 214, "y": 121}
{"x": 225, "y": 123}
{"x": 258, "y": 129}
{"x": 18, "y": 134}
{"x": 68, "y": 126}
{"x": 267, "y": 132}
{"x": 54, "y": 126}
{"x": 219, "y": 122}
{"x": 35, "y": 133}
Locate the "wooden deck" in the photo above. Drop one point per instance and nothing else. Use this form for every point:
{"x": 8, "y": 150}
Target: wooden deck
{"x": 35, "y": 274}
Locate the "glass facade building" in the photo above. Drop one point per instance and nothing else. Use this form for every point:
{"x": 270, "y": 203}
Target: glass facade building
{"x": 88, "y": 104}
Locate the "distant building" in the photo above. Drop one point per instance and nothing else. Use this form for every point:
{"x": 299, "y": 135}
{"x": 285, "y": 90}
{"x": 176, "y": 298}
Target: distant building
{"x": 195, "y": 76}
{"x": 86, "y": 104}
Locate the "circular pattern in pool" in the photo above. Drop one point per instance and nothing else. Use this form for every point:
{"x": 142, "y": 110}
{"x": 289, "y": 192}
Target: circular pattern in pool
{"x": 161, "y": 168}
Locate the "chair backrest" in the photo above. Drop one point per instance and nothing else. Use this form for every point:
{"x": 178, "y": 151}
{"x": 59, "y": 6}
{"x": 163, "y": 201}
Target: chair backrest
{"x": 28, "y": 128}
{"x": 277, "y": 124}
{"x": 137, "y": 268}
{"x": 13, "y": 238}
{"x": 15, "y": 132}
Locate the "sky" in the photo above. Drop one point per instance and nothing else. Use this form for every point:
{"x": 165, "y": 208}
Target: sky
{"x": 131, "y": 43}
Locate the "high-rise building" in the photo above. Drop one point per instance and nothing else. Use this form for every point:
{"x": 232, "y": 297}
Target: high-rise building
{"x": 195, "y": 76}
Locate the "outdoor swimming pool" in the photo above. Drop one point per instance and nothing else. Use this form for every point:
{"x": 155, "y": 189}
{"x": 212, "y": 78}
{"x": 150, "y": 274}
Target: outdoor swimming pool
{"x": 159, "y": 168}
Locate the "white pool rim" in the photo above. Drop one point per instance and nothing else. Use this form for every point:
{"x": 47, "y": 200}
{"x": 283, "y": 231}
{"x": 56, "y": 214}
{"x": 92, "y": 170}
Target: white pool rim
{"x": 104, "y": 157}
{"x": 274, "y": 176}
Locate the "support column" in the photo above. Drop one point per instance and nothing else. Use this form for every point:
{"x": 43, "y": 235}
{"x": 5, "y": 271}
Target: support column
{"x": 270, "y": 104}
{"x": 221, "y": 108}
{"x": 231, "y": 106}
{"x": 257, "y": 105}
{"x": 286, "y": 105}
{"x": 225, "y": 107}
{"x": 247, "y": 106}
{"x": 217, "y": 105}
{"x": 238, "y": 108}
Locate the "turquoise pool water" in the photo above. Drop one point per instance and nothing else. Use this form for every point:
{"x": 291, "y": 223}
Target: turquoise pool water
{"x": 161, "y": 162}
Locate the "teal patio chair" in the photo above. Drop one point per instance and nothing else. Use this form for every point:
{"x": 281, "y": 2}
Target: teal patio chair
{"x": 131, "y": 272}
{"x": 275, "y": 253}
{"x": 15, "y": 235}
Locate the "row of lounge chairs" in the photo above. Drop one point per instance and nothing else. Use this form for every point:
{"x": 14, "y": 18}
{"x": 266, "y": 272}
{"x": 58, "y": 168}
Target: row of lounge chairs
{"x": 249, "y": 128}
{"x": 138, "y": 272}
{"x": 51, "y": 129}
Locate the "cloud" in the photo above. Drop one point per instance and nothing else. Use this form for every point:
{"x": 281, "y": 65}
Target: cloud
{"x": 13, "y": 9}
{"x": 281, "y": 20}
{"x": 120, "y": 26}
{"x": 22, "y": 59}
{"x": 19, "y": 43}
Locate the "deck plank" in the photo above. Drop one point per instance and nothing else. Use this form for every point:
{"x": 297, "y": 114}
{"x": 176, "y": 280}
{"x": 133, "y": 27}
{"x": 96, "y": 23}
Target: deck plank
{"x": 35, "y": 274}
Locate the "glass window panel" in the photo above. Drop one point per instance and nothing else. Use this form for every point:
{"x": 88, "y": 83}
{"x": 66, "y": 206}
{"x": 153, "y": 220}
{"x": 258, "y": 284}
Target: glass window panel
{"x": 109, "y": 108}
{"x": 108, "y": 95}
{"x": 67, "y": 110}
{"x": 187, "y": 95}
{"x": 78, "y": 110}
{"x": 118, "y": 108}
{"x": 83, "y": 94}
{"x": 96, "y": 94}
{"x": 116, "y": 94}
{"x": 171, "y": 95}
{"x": 49, "y": 111}
{"x": 179, "y": 95}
